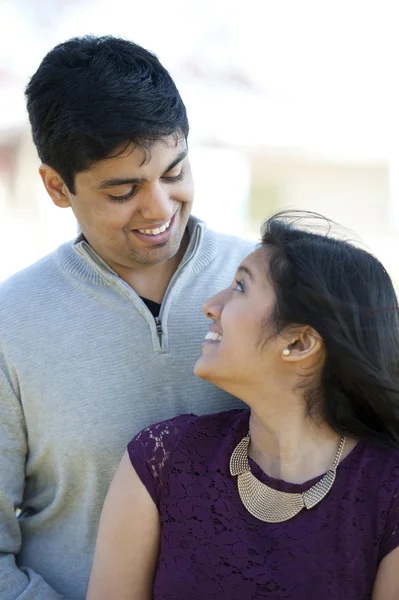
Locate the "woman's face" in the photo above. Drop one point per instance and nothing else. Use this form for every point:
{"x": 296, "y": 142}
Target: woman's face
{"x": 243, "y": 348}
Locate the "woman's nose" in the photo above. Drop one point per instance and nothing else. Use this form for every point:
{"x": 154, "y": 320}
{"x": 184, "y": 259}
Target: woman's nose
{"x": 212, "y": 308}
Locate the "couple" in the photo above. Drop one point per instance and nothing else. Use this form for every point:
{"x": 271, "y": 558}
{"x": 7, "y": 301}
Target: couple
{"x": 98, "y": 341}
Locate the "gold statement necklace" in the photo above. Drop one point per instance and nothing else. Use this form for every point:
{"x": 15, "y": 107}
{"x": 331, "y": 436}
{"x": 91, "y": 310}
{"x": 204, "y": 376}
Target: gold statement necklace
{"x": 269, "y": 505}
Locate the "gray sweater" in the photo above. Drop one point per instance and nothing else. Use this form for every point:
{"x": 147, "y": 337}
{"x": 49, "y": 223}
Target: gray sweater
{"x": 82, "y": 369}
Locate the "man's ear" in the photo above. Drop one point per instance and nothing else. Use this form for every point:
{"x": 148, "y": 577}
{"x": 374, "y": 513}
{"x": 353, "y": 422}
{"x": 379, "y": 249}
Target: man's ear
{"x": 303, "y": 344}
{"x": 55, "y": 186}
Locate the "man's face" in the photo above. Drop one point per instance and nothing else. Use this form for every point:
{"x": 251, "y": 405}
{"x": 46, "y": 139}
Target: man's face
{"x": 133, "y": 209}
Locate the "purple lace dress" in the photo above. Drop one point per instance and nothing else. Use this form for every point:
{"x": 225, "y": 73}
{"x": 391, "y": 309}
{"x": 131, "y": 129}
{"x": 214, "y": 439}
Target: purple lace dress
{"x": 211, "y": 547}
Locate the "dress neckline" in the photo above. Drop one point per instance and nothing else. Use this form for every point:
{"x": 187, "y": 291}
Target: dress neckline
{"x": 286, "y": 486}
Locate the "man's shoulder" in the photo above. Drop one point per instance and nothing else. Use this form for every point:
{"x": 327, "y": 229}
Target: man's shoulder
{"x": 231, "y": 245}
{"x": 226, "y": 239}
{"x": 27, "y": 283}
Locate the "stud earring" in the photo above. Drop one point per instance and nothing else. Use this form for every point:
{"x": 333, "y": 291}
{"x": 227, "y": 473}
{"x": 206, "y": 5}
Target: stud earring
{"x": 286, "y": 352}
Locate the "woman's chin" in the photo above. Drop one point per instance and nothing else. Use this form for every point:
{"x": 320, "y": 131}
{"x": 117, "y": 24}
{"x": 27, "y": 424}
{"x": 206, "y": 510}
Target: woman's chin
{"x": 205, "y": 369}
{"x": 200, "y": 369}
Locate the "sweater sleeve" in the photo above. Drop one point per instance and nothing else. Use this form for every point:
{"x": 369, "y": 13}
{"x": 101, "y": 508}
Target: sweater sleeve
{"x": 15, "y": 583}
{"x": 150, "y": 453}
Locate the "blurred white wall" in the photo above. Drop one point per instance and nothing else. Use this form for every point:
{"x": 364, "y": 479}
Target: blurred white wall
{"x": 310, "y": 79}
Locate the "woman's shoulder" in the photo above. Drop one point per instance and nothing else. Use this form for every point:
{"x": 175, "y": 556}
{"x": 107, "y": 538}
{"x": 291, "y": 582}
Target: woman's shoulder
{"x": 377, "y": 492}
{"x": 210, "y": 438}
{"x": 221, "y": 422}
{"x": 184, "y": 440}
{"x": 218, "y": 426}
{"x": 373, "y": 468}
{"x": 379, "y": 454}
{"x": 214, "y": 426}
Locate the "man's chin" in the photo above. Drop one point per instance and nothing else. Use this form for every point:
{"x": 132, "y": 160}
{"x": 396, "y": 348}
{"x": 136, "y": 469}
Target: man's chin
{"x": 155, "y": 256}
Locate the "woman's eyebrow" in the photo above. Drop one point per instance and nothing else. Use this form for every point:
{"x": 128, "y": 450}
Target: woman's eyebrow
{"x": 246, "y": 270}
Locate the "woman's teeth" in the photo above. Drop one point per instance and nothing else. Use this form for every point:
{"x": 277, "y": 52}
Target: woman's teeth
{"x": 211, "y": 335}
{"x": 155, "y": 231}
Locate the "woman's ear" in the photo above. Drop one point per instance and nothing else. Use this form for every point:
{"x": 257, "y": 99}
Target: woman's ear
{"x": 55, "y": 186}
{"x": 301, "y": 345}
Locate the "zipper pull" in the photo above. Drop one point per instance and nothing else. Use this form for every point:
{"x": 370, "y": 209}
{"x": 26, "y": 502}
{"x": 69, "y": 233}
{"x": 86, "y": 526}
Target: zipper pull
{"x": 159, "y": 329}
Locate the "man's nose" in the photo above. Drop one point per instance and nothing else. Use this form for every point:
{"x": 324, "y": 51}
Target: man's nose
{"x": 156, "y": 204}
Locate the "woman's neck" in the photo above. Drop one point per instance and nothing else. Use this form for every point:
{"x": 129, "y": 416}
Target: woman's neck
{"x": 286, "y": 443}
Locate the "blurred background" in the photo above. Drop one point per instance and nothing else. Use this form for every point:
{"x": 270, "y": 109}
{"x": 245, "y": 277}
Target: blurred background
{"x": 292, "y": 104}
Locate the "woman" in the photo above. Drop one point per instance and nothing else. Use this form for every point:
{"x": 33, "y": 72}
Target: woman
{"x": 297, "y": 497}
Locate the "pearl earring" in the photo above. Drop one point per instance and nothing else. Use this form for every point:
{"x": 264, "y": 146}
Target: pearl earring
{"x": 286, "y": 352}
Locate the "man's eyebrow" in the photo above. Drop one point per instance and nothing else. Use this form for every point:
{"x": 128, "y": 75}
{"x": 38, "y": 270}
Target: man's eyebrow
{"x": 120, "y": 181}
{"x": 133, "y": 180}
{"x": 178, "y": 159}
{"x": 245, "y": 269}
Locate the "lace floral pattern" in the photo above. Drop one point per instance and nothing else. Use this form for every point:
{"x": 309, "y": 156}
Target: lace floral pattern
{"x": 211, "y": 547}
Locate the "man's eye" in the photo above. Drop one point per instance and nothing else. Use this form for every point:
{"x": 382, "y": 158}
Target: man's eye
{"x": 239, "y": 285}
{"x": 178, "y": 177}
{"x": 122, "y": 198}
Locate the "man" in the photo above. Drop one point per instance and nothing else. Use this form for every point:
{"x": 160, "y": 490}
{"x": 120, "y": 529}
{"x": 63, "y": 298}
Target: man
{"x": 99, "y": 339}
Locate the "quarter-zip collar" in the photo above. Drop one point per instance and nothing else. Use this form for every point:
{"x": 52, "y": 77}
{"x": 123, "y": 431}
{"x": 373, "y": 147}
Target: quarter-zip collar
{"x": 81, "y": 262}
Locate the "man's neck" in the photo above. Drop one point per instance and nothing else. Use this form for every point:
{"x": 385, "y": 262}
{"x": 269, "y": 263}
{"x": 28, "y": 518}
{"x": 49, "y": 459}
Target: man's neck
{"x": 152, "y": 282}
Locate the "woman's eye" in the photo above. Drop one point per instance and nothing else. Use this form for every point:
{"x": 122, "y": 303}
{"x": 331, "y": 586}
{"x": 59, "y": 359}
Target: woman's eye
{"x": 239, "y": 285}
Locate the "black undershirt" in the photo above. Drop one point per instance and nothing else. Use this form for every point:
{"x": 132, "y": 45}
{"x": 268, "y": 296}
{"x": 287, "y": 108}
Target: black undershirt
{"x": 154, "y": 307}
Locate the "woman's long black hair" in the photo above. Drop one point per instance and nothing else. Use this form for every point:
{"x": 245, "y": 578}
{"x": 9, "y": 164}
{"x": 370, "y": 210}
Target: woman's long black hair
{"x": 347, "y": 296}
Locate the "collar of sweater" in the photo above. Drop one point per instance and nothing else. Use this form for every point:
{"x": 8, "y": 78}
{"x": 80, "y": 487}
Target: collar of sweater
{"x": 80, "y": 261}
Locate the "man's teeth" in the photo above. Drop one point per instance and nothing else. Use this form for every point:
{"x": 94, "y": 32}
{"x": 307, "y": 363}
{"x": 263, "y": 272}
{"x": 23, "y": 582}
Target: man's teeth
{"x": 213, "y": 336}
{"x": 155, "y": 231}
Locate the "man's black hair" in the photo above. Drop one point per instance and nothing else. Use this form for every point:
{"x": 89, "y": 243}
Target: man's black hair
{"x": 92, "y": 97}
